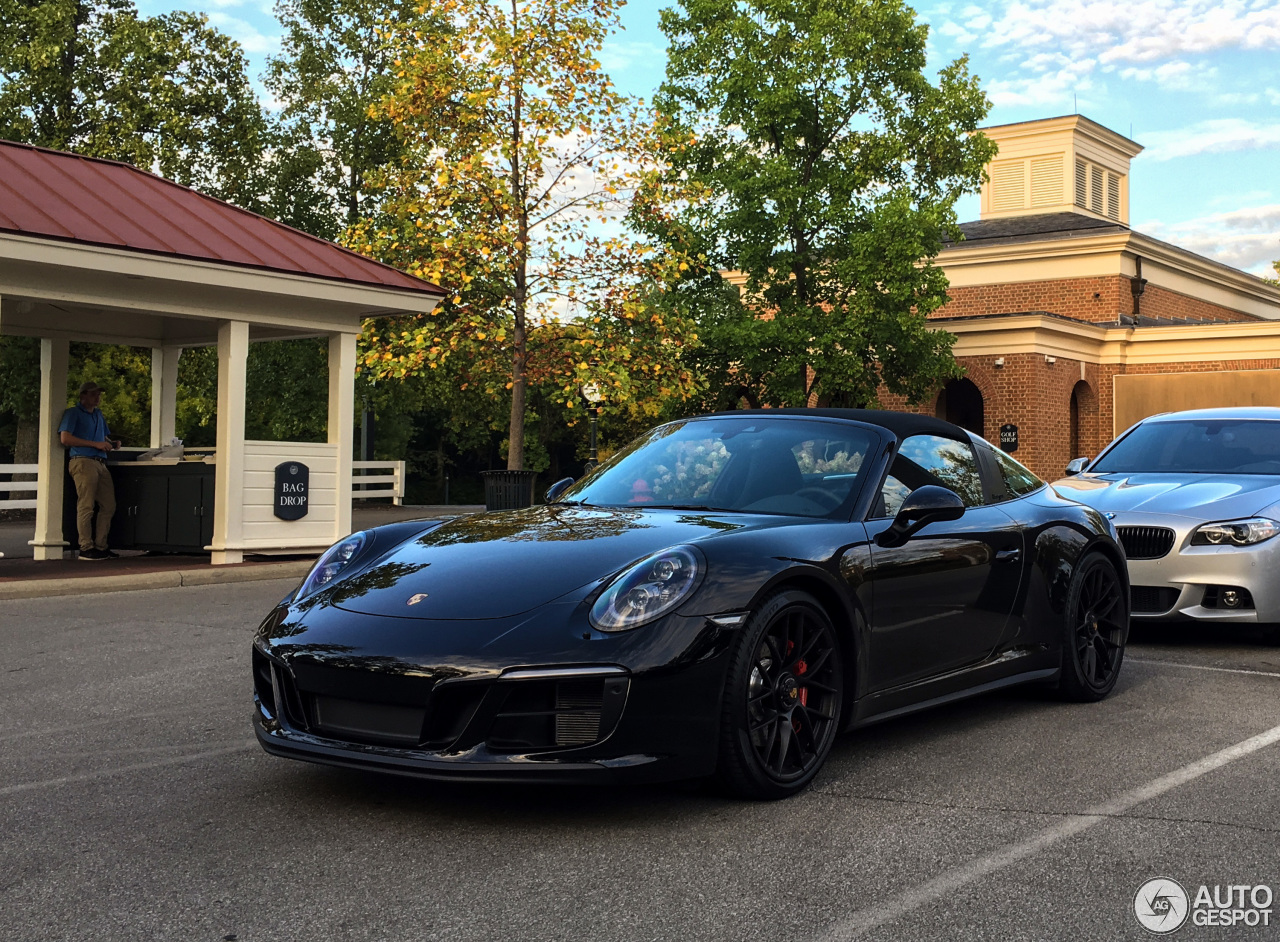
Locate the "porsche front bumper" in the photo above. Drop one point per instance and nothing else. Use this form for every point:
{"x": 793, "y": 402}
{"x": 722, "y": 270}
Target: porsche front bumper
{"x": 579, "y": 723}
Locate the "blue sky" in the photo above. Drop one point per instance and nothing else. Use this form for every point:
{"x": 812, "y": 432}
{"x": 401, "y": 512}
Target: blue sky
{"x": 1196, "y": 83}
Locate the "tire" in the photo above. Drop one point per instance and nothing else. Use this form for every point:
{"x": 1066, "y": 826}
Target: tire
{"x": 1096, "y": 630}
{"x": 783, "y": 698}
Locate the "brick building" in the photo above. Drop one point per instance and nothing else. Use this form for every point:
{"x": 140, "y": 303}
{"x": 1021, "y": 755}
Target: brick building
{"x": 1071, "y": 326}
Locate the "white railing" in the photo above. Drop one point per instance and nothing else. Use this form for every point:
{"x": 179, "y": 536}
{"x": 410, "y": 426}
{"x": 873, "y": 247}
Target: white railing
{"x": 373, "y": 485}
{"x": 378, "y": 485}
{"x": 8, "y": 487}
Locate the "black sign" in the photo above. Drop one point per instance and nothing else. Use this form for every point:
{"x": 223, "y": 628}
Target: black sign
{"x": 293, "y": 482}
{"x": 1009, "y": 438}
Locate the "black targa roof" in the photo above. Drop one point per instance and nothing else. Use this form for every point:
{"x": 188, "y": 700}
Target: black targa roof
{"x": 901, "y": 424}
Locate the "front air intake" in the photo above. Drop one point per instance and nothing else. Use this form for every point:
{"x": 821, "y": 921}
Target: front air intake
{"x": 1152, "y": 600}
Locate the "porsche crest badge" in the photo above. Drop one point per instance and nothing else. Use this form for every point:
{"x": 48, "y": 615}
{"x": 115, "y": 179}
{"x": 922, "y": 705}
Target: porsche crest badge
{"x": 414, "y": 600}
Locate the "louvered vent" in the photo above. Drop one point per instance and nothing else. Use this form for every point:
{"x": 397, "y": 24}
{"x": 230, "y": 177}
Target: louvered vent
{"x": 1113, "y": 196}
{"x": 1008, "y": 185}
{"x": 1095, "y": 189}
{"x": 1082, "y": 184}
{"x": 1046, "y": 181}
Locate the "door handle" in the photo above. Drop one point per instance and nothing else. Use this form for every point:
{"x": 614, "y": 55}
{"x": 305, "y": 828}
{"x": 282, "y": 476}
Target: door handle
{"x": 1008, "y": 555}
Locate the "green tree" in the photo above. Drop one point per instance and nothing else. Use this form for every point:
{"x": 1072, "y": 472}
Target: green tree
{"x": 520, "y": 159}
{"x": 20, "y": 400}
{"x": 165, "y": 93}
{"x": 337, "y": 60}
{"x": 831, "y": 165}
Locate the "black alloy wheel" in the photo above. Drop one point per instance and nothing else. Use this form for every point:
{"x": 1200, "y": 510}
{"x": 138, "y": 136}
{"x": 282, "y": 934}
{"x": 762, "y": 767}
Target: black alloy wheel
{"x": 783, "y": 698}
{"x": 1097, "y": 627}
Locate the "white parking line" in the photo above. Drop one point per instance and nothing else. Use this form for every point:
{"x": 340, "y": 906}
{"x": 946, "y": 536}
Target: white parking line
{"x": 1201, "y": 667}
{"x": 948, "y": 883}
{"x": 119, "y": 770}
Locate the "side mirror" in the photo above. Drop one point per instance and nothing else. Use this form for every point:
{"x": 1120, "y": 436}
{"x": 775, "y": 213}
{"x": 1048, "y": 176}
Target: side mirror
{"x": 555, "y": 490}
{"x": 1076, "y": 465}
{"x": 923, "y": 506}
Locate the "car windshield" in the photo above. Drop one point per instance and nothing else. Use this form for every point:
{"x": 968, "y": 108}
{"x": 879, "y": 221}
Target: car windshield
{"x": 1199, "y": 446}
{"x": 752, "y": 464}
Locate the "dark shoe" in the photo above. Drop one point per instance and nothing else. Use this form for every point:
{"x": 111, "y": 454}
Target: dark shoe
{"x": 93, "y": 554}
{"x": 109, "y": 554}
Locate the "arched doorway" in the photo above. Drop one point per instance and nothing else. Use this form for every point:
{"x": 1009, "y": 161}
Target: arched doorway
{"x": 1083, "y": 423}
{"x": 960, "y": 403}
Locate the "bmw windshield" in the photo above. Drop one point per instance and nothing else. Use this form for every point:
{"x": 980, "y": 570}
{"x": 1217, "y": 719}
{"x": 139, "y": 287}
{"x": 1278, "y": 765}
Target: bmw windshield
{"x": 748, "y": 464}
{"x": 1196, "y": 446}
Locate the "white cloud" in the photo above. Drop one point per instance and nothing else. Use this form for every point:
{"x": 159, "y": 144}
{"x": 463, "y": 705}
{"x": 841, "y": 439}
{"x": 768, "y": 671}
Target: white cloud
{"x": 1248, "y": 239}
{"x": 1216, "y": 136}
{"x": 1048, "y": 88}
{"x": 1144, "y": 31}
{"x": 1045, "y": 48}
{"x": 245, "y": 33}
{"x": 1273, "y": 95}
{"x": 1177, "y": 75}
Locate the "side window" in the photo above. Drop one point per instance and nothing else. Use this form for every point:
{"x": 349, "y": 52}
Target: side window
{"x": 931, "y": 459}
{"x": 1017, "y": 479}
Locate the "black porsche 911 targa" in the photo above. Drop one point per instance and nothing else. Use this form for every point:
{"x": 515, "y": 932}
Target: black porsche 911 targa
{"x": 723, "y": 596}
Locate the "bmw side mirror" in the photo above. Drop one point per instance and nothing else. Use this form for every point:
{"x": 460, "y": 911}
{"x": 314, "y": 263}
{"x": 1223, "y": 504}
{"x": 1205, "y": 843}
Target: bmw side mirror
{"x": 1076, "y": 465}
{"x": 923, "y": 506}
{"x": 555, "y": 490}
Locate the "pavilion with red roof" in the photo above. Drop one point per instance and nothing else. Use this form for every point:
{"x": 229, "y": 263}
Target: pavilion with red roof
{"x": 95, "y": 250}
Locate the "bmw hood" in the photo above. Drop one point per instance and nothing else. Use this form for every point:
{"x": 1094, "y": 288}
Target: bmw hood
{"x": 496, "y": 565}
{"x": 1201, "y": 496}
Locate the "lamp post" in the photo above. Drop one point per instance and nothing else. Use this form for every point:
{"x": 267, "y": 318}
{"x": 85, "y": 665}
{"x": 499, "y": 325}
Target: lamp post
{"x": 591, "y": 392}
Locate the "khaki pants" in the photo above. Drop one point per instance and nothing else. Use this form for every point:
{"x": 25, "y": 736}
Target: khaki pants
{"x": 93, "y": 486}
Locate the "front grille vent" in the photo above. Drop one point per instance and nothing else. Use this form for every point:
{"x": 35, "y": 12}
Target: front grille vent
{"x": 1152, "y": 600}
{"x": 577, "y": 713}
{"x": 548, "y": 714}
{"x": 1146, "y": 542}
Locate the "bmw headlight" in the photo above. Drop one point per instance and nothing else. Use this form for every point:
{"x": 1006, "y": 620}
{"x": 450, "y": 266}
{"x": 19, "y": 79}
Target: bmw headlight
{"x": 1236, "y": 532}
{"x": 336, "y": 558}
{"x": 648, "y": 590}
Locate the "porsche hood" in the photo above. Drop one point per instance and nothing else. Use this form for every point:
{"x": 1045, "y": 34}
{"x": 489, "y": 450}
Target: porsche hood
{"x": 497, "y": 565}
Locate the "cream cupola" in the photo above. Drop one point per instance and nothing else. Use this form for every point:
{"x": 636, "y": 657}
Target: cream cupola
{"x": 1067, "y": 164}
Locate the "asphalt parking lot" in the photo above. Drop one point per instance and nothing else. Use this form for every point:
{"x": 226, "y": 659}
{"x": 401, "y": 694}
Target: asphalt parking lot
{"x": 137, "y": 806}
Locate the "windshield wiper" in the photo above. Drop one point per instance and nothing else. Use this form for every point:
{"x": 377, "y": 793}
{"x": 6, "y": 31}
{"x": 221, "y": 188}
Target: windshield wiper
{"x": 679, "y": 507}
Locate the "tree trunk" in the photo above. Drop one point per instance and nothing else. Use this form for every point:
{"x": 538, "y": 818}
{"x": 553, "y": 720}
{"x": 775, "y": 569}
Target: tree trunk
{"x": 520, "y": 269}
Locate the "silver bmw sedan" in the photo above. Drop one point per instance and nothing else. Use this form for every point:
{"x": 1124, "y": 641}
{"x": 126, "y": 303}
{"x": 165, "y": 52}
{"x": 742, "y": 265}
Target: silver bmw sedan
{"x": 1195, "y": 497}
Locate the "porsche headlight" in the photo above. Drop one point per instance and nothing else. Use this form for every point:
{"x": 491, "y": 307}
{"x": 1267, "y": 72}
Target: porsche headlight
{"x": 327, "y": 567}
{"x": 648, "y": 590}
{"x": 1236, "y": 532}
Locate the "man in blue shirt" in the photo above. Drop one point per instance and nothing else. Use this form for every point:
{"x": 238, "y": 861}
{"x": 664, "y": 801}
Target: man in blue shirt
{"x": 84, "y": 431}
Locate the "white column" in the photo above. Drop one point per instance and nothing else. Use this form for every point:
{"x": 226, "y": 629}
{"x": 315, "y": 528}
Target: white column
{"x": 48, "y": 542}
{"x": 164, "y": 394}
{"x": 228, "y": 520}
{"x": 342, "y": 417}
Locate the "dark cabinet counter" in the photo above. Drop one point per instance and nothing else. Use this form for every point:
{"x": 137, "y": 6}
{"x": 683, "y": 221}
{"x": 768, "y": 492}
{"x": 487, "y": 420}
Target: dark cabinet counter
{"x": 161, "y": 507}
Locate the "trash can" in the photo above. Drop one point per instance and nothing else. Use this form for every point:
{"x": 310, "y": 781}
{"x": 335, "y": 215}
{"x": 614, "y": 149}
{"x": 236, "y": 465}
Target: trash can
{"x": 508, "y": 490}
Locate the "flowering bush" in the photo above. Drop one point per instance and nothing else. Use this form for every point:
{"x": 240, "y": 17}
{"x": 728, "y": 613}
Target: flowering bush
{"x": 689, "y": 471}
